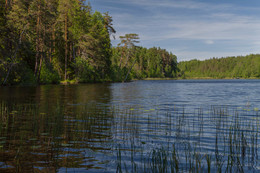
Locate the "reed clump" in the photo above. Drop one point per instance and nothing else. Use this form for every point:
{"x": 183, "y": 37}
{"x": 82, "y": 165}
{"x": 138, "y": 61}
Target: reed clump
{"x": 231, "y": 146}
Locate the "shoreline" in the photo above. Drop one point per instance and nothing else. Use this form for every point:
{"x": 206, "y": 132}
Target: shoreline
{"x": 198, "y": 78}
{"x": 73, "y": 82}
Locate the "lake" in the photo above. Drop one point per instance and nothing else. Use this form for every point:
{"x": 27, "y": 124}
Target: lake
{"x": 140, "y": 126}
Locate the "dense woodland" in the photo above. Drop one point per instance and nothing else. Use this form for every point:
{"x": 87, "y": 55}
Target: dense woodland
{"x": 49, "y": 41}
{"x": 53, "y": 41}
{"x": 145, "y": 63}
{"x": 230, "y": 67}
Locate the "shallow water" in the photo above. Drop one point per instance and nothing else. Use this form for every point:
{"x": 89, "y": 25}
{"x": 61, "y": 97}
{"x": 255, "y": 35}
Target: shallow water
{"x": 107, "y": 127}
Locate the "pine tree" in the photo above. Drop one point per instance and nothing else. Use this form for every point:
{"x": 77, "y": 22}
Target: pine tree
{"x": 64, "y": 8}
{"x": 128, "y": 42}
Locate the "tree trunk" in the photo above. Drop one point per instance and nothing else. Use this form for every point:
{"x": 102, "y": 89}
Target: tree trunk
{"x": 8, "y": 4}
{"x": 14, "y": 56}
{"x": 78, "y": 51}
{"x": 74, "y": 52}
{"x": 121, "y": 59}
{"x": 7, "y": 75}
{"x": 43, "y": 53}
{"x": 129, "y": 71}
{"x": 127, "y": 58}
{"x": 66, "y": 44}
{"x": 39, "y": 71}
{"x": 71, "y": 51}
{"x": 53, "y": 43}
{"x": 37, "y": 42}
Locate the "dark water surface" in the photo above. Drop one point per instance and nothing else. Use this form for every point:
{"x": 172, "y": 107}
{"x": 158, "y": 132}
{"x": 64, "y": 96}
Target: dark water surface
{"x": 120, "y": 126}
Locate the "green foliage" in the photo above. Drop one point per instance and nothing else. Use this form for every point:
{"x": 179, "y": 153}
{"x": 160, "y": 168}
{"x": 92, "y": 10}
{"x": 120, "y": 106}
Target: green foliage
{"x": 49, "y": 75}
{"x": 46, "y": 41}
{"x": 230, "y": 67}
{"x": 117, "y": 73}
{"x": 26, "y": 76}
{"x": 2, "y": 28}
{"x": 21, "y": 74}
{"x": 47, "y": 36}
{"x": 3, "y": 71}
{"x": 84, "y": 71}
{"x": 152, "y": 63}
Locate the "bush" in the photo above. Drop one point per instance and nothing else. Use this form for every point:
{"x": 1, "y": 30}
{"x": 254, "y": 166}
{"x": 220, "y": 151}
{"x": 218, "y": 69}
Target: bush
{"x": 85, "y": 72}
{"x": 49, "y": 75}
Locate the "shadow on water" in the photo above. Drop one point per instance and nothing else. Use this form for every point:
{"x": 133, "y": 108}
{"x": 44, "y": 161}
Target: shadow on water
{"x": 93, "y": 128}
{"x": 54, "y": 127}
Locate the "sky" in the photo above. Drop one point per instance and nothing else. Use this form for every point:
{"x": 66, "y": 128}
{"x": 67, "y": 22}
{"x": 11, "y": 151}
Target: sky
{"x": 190, "y": 29}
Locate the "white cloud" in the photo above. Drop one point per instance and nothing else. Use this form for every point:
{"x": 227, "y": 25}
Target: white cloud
{"x": 209, "y": 42}
{"x": 185, "y": 28}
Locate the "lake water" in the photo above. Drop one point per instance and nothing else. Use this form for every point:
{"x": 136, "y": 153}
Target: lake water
{"x": 132, "y": 127}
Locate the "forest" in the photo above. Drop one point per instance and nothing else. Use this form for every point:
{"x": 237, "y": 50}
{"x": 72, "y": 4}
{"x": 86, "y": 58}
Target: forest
{"x": 220, "y": 68}
{"x": 65, "y": 41}
{"x": 144, "y": 63}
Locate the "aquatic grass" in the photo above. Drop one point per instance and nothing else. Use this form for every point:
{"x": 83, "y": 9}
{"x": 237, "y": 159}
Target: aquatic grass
{"x": 235, "y": 145}
{"x": 119, "y": 161}
{"x": 179, "y": 140}
{"x": 175, "y": 160}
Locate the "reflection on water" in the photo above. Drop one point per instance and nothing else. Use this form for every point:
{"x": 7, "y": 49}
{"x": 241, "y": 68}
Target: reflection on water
{"x": 138, "y": 126}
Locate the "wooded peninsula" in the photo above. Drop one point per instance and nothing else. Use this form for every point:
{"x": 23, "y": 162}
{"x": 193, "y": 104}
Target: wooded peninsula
{"x": 65, "y": 41}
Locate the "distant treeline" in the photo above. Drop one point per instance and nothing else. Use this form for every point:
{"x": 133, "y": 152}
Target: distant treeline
{"x": 49, "y": 41}
{"x": 230, "y": 67}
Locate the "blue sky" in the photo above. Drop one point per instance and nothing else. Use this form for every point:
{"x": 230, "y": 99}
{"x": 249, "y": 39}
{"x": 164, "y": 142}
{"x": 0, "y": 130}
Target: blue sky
{"x": 190, "y": 29}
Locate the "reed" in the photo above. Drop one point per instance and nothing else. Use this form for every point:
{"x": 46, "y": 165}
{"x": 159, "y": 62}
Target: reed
{"x": 235, "y": 148}
{"x": 130, "y": 138}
